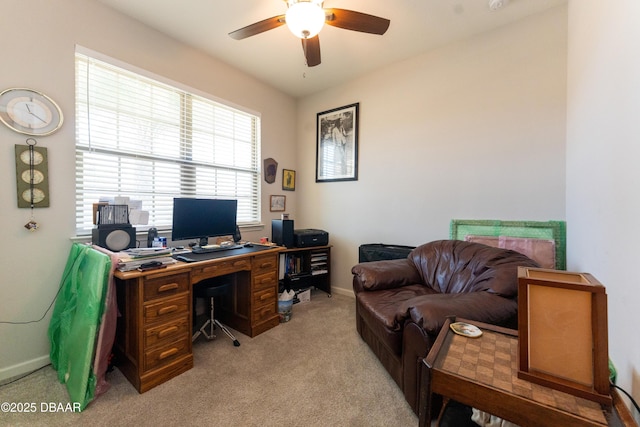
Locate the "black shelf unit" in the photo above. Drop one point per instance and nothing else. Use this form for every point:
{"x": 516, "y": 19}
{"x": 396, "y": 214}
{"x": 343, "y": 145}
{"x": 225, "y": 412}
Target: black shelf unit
{"x": 303, "y": 268}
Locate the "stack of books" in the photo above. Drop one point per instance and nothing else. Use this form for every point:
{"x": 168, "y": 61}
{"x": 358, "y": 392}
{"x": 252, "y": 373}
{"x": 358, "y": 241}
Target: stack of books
{"x": 133, "y": 259}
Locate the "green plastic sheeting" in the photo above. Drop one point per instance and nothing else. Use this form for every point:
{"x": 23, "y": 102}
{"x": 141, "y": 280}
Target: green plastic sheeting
{"x": 76, "y": 320}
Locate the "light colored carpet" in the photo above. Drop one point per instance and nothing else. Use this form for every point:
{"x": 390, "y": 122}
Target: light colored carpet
{"x": 311, "y": 371}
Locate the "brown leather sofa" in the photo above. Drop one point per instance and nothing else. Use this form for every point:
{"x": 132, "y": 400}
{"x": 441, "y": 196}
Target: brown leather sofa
{"x": 401, "y": 304}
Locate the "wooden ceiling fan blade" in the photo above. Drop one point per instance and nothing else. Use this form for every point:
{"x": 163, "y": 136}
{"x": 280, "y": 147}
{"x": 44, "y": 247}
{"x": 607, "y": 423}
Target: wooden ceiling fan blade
{"x": 357, "y": 21}
{"x": 258, "y": 27}
{"x": 311, "y": 48}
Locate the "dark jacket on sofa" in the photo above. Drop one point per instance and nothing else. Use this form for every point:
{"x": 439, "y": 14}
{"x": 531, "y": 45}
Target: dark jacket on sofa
{"x": 402, "y": 304}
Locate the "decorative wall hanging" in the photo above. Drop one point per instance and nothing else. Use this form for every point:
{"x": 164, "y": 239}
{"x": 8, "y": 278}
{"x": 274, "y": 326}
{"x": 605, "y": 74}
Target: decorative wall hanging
{"x": 32, "y": 175}
{"x": 337, "y": 144}
{"x": 270, "y": 169}
{"x": 32, "y": 178}
{"x": 288, "y": 179}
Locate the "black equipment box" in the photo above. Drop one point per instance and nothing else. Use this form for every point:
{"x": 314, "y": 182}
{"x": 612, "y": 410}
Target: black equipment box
{"x": 379, "y": 251}
{"x": 282, "y": 232}
{"x": 310, "y": 237}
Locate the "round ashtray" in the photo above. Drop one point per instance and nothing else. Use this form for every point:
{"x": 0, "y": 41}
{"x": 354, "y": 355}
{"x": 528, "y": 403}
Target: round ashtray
{"x": 465, "y": 329}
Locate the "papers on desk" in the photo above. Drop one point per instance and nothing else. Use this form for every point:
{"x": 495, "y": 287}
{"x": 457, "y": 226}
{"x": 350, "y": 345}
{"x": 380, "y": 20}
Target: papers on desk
{"x": 136, "y": 253}
{"x": 132, "y": 259}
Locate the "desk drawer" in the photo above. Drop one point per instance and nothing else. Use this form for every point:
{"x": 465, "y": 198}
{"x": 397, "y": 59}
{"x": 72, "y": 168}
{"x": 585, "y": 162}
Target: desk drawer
{"x": 264, "y": 312}
{"x": 159, "y": 286}
{"x": 166, "y": 309}
{"x": 166, "y": 354}
{"x": 265, "y": 263}
{"x": 264, "y": 297}
{"x": 264, "y": 281}
{"x": 220, "y": 268}
{"x": 167, "y": 332}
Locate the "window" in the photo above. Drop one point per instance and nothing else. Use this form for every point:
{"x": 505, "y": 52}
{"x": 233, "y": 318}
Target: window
{"x": 140, "y": 138}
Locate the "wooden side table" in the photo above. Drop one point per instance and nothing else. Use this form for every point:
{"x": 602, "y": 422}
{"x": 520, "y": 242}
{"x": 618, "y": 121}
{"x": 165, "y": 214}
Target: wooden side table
{"x": 482, "y": 373}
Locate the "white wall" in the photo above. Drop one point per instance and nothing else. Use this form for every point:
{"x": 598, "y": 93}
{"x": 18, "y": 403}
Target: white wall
{"x": 603, "y": 177}
{"x": 38, "y": 52}
{"x": 474, "y": 130}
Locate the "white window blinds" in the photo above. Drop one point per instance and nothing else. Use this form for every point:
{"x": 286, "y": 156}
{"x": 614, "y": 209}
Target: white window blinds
{"x": 140, "y": 138}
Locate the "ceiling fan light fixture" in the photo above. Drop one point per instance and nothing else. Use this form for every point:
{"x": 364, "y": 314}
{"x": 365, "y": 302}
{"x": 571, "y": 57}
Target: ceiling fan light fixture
{"x": 305, "y": 19}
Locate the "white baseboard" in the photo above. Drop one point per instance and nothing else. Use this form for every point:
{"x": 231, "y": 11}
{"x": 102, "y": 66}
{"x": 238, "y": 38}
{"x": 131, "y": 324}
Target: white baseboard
{"x": 341, "y": 291}
{"x": 10, "y": 373}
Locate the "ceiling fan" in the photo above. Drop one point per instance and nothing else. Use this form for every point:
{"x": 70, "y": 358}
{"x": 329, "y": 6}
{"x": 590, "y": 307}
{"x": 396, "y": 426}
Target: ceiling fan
{"x": 305, "y": 19}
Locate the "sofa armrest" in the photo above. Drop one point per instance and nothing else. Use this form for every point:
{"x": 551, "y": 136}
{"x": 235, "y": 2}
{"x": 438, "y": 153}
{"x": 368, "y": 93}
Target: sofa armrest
{"x": 430, "y": 311}
{"x": 385, "y": 274}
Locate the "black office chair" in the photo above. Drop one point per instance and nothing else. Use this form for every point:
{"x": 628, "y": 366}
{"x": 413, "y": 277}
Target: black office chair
{"x": 211, "y": 290}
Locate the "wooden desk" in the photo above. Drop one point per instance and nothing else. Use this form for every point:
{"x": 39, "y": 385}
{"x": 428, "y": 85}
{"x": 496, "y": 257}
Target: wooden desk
{"x": 153, "y": 338}
{"x": 482, "y": 373}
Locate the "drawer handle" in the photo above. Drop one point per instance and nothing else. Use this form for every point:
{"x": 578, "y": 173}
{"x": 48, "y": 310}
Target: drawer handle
{"x": 168, "y": 309}
{"x": 265, "y": 310}
{"x": 239, "y": 263}
{"x": 210, "y": 268}
{"x": 266, "y": 280}
{"x": 163, "y": 333}
{"x": 265, "y": 265}
{"x": 266, "y": 296}
{"x": 168, "y": 353}
{"x": 168, "y": 287}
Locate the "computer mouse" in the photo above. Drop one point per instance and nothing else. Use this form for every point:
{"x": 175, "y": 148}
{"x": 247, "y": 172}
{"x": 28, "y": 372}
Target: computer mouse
{"x": 248, "y": 245}
{"x": 183, "y": 258}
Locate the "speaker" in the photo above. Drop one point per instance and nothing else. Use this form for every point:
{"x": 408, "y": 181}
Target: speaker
{"x": 237, "y": 236}
{"x": 116, "y": 237}
{"x": 282, "y": 232}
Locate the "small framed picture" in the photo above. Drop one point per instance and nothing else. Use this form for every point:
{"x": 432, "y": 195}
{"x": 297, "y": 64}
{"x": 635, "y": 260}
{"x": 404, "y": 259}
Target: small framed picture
{"x": 288, "y": 180}
{"x": 278, "y": 203}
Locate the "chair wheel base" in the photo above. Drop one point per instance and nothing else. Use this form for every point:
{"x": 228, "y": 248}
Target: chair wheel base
{"x": 214, "y": 323}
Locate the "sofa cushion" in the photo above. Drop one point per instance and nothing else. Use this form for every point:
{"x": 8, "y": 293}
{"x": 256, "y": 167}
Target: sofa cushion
{"x": 378, "y": 310}
{"x": 456, "y": 266}
{"x": 429, "y": 312}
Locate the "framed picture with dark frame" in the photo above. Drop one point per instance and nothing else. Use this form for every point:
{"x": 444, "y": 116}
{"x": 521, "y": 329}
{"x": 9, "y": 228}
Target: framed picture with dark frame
{"x": 278, "y": 203}
{"x": 288, "y": 179}
{"x": 337, "y": 144}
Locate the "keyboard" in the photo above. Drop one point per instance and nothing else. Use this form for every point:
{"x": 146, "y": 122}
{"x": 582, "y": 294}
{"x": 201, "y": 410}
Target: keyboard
{"x": 205, "y": 250}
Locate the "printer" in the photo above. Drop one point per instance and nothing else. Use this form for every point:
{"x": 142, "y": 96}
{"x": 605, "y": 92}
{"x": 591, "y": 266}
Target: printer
{"x": 308, "y": 237}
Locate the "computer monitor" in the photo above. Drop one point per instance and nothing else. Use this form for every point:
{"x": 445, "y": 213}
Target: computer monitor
{"x": 203, "y": 218}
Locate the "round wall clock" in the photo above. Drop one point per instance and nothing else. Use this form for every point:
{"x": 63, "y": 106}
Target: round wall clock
{"x": 29, "y": 112}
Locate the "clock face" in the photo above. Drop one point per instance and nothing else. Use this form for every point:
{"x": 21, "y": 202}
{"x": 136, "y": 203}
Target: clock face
{"x": 29, "y": 112}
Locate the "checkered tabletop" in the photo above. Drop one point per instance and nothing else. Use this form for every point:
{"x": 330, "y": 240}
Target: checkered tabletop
{"x": 492, "y": 360}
